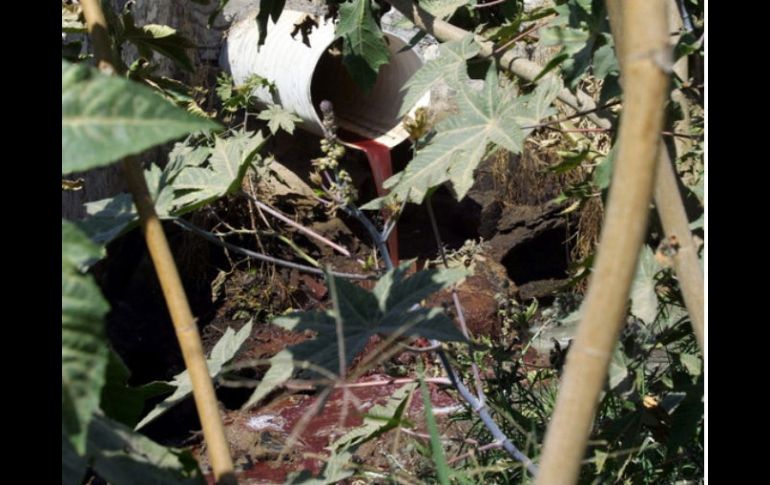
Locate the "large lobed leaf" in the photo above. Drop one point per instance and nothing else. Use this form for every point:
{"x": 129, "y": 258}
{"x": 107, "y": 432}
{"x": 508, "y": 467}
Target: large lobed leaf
{"x": 388, "y": 309}
{"x": 230, "y": 158}
{"x": 449, "y": 69}
{"x": 492, "y": 115}
{"x": 84, "y": 346}
{"x": 105, "y": 118}
{"x": 193, "y": 177}
{"x": 365, "y": 49}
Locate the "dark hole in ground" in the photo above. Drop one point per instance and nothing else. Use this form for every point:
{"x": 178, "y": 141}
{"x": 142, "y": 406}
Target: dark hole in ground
{"x": 139, "y": 326}
{"x": 541, "y": 258}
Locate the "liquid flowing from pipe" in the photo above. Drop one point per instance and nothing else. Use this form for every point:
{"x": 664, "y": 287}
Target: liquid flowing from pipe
{"x": 381, "y": 165}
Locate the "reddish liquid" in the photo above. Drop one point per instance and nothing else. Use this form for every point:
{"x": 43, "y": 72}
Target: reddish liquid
{"x": 382, "y": 169}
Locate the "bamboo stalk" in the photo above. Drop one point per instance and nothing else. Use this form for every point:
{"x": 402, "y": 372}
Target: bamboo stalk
{"x": 170, "y": 282}
{"x": 668, "y": 202}
{"x": 643, "y": 48}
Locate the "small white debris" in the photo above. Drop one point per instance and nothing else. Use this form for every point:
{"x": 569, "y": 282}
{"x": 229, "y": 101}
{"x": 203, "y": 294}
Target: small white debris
{"x": 267, "y": 421}
{"x": 448, "y": 410}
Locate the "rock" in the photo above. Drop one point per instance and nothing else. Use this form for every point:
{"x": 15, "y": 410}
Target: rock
{"x": 479, "y": 295}
{"x": 541, "y": 289}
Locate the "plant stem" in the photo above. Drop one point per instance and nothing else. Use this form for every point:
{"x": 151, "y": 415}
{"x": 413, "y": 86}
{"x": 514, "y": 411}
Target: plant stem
{"x": 673, "y": 217}
{"x": 476, "y": 404}
{"x": 455, "y": 297}
{"x": 646, "y": 85}
{"x": 483, "y": 413}
{"x": 299, "y": 227}
{"x": 523, "y": 68}
{"x": 185, "y": 325}
{"x": 263, "y": 257}
{"x": 489, "y": 4}
{"x": 377, "y": 238}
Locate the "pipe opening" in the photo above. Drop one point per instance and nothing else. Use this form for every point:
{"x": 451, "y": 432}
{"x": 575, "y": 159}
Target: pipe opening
{"x": 372, "y": 115}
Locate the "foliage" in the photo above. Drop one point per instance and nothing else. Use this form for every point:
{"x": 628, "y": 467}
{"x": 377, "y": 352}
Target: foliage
{"x": 237, "y": 97}
{"x": 387, "y": 309}
{"x": 492, "y": 115}
{"x": 196, "y": 175}
{"x": 105, "y": 118}
{"x": 364, "y": 49}
{"x": 222, "y": 353}
{"x": 582, "y": 30}
{"x": 649, "y": 426}
{"x": 279, "y": 119}
{"x": 84, "y": 349}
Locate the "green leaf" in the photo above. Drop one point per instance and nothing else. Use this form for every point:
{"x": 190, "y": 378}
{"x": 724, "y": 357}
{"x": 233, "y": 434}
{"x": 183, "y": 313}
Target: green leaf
{"x": 442, "y": 8}
{"x": 386, "y": 310}
{"x": 490, "y": 116}
{"x": 268, "y": 9}
{"x": 552, "y": 64}
{"x": 364, "y": 50}
{"x": 161, "y": 39}
{"x": 448, "y": 68}
{"x": 122, "y": 402}
{"x": 569, "y": 161}
{"x": 80, "y": 252}
{"x": 281, "y": 369}
{"x": 605, "y": 62}
{"x": 582, "y": 30}
{"x": 279, "y": 119}
{"x": 84, "y": 346}
{"x": 442, "y": 469}
{"x": 602, "y": 174}
{"x": 620, "y": 379}
{"x": 692, "y": 363}
{"x": 230, "y": 158}
{"x": 644, "y": 299}
{"x": 339, "y": 466}
{"x": 108, "y": 219}
{"x": 105, "y": 118}
{"x": 120, "y": 455}
{"x": 379, "y": 420}
{"x": 73, "y": 466}
{"x": 224, "y": 350}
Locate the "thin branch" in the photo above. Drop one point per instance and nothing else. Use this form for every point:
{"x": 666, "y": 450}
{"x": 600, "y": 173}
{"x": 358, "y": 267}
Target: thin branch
{"x": 309, "y": 385}
{"x": 426, "y": 436}
{"x": 490, "y": 4}
{"x": 489, "y": 446}
{"x": 483, "y": 413}
{"x": 263, "y": 257}
{"x": 523, "y": 68}
{"x": 455, "y": 297}
{"x": 645, "y": 85}
{"x": 338, "y": 328}
{"x": 298, "y": 226}
{"x": 520, "y": 36}
{"x": 381, "y": 243}
{"x": 579, "y": 114}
